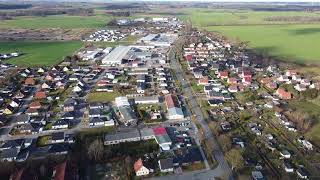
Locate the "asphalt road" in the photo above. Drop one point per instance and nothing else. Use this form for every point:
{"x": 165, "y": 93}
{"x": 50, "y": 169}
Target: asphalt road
{"x": 223, "y": 167}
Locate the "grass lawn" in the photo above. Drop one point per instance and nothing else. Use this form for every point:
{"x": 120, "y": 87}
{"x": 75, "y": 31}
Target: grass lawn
{"x": 39, "y": 53}
{"x": 314, "y": 111}
{"x": 298, "y": 43}
{"x": 294, "y": 40}
{"x": 202, "y": 17}
{"x": 102, "y": 96}
{"x": 56, "y": 21}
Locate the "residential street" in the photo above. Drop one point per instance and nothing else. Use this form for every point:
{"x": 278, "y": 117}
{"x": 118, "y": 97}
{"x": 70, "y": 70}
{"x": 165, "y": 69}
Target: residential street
{"x": 223, "y": 168}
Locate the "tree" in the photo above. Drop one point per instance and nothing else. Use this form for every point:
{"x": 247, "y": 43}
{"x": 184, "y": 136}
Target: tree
{"x": 234, "y": 157}
{"x": 310, "y": 94}
{"x": 225, "y": 142}
{"x": 95, "y": 150}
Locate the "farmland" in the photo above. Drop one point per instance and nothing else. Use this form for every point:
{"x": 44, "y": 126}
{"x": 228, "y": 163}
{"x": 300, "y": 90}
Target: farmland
{"x": 285, "y": 35}
{"x": 57, "y": 21}
{"x": 298, "y": 43}
{"x": 39, "y": 53}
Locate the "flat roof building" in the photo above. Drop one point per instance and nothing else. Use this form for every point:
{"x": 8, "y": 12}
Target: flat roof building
{"x": 116, "y": 56}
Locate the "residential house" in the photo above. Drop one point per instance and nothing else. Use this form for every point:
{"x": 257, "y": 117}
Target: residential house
{"x": 166, "y": 165}
{"x": 22, "y": 119}
{"x": 60, "y": 124}
{"x": 57, "y": 137}
{"x": 223, "y": 74}
{"x": 11, "y": 144}
{"x": 40, "y": 95}
{"x": 35, "y": 105}
{"x": 283, "y": 94}
{"x": 32, "y": 112}
{"x": 29, "y": 82}
{"x": 288, "y": 166}
{"x": 302, "y": 172}
{"x": 69, "y": 105}
{"x": 300, "y": 87}
{"x": 139, "y": 169}
{"x": 9, "y": 154}
{"x": 203, "y": 81}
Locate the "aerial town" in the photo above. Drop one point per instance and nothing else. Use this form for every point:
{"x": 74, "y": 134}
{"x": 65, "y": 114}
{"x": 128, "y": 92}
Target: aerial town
{"x": 175, "y": 103}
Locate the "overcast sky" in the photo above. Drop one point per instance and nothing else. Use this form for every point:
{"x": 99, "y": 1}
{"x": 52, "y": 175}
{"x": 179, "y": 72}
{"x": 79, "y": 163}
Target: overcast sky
{"x": 225, "y": 0}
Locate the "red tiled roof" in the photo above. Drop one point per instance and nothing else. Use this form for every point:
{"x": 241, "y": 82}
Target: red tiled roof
{"x": 40, "y": 95}
{"x": 246, "y": 74}
{"x": 223, "y": 73}
{"x": 159, "y": 131}
{"x": 137, "y": 165}
{"x": 171, "y": 101}
{"x": 35, "y": 105}
{"x": 29, "y": 81}
{"x": 247, "y": 79}
{"x": 189, "y": 57}
{"x": 283, "y": 94}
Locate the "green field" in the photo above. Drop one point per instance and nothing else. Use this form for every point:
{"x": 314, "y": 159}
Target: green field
{"x": 102, "y": 96}
{"x": 57, "y": 21}
{"x": 39, "y": 53}
{"x": 298, "y": 43}
{"x": 212, "y": 17}
{"x": 292, "y": 40}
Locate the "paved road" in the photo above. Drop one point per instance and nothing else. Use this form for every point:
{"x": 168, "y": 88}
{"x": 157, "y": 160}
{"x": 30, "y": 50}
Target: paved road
{"x": 223, "y": 167}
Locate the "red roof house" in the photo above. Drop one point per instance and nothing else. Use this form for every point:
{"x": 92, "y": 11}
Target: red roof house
{"x": 188, "y": 57}
{"x": 232, "y": 80}
{"x": 246, "y": 74}
{"x": 40, "y": 95}
{"x": 283, "y": 94}
{"x": 159, "y": 131}
{"x": 203, "y": 81}
{"x": 35, "y": 105}
{"x": 223, "y": 74}
{"x": 246, "y": 80}
{"x": 171, "y": 101}
{"x": 29, "y": 81}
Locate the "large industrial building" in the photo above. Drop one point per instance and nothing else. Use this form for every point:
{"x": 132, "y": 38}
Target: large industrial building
{"x": 116, "y": 56}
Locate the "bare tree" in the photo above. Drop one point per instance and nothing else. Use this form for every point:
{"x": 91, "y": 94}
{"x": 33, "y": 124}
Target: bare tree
{"x": 95, "y": 150}
{"x": 225, "y": 142}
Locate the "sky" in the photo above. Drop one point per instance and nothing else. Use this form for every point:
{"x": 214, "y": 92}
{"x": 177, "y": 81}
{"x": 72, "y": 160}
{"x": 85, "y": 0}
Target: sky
{"x": 226, "y": 0}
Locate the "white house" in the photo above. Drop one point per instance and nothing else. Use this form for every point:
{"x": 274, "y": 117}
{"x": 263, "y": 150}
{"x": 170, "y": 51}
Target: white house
{"x": 140, "y": 169}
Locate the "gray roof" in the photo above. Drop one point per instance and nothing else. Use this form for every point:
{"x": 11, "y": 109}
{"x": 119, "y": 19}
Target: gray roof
{"x": 163, "y": 139}
{"x": 122, "y": 135}
{"x": 9, "y": 153}
{"x": 166, "y": 163}
{"x": 146, "y": 132}
{"x": 116, "y": 55}
{"x": 175, "y": 111}
{"x": 146, "y": 98}
{"x": 22, "y": 118}
{"x": 127, "y": 113}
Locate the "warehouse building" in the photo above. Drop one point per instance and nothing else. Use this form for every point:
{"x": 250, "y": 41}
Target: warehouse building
{"x": 116, "y": 56}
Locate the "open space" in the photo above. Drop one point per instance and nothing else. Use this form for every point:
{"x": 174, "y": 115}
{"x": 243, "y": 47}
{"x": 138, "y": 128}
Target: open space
{"x": 39, "y": 53}
{"x": 102, "y": 96}
{"x": 57, "y": 21}
{"x": 290, "y": 36}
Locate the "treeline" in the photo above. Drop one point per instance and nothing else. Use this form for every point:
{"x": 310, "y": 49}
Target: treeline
{"x": 120, "y": 13}
{"x": 293, "y": 19}
{"x": 122, "y": 6}
{"x": 14, "y": 6}
{"x": 47, "y": 12}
